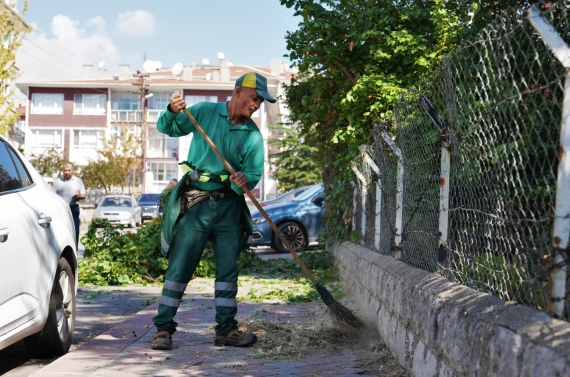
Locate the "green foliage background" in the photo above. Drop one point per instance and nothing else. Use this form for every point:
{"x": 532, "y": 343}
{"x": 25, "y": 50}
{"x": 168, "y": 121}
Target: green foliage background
{"x": 355, "y": 59}
{"x": 294, "y": 164}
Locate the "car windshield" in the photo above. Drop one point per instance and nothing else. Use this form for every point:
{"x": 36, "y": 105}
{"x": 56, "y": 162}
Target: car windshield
{"x": 148, "y": 198}
{"x": 116, "y": 201}
{"x": 307, "y": 194}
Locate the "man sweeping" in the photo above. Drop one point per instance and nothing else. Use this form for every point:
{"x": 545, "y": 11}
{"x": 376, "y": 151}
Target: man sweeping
{"x": 208, "y": 203}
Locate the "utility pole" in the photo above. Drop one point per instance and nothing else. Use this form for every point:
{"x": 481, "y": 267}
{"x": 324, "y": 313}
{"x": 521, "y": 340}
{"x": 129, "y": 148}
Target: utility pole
{"x": 143, "y": 94}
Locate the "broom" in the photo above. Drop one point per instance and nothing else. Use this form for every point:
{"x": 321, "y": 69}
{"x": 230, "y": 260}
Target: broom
{"x": 342, "y": 317}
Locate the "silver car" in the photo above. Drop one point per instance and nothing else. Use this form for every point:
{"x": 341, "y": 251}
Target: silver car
{"x": 119, "y": 209}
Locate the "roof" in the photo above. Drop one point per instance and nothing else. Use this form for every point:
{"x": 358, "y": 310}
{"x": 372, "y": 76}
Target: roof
{"x": 164, "y": 78}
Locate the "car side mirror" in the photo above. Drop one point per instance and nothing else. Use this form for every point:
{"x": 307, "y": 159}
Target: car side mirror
{"x": 319, "y": 199}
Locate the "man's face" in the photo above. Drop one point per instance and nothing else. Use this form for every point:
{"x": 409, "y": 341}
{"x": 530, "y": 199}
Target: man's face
{"x": 67, "y": 171}
{"x": 248, "y": 101}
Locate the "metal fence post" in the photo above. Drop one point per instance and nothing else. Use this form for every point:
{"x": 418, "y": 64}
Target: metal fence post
{"x": 377, "y": 213}
{"x": 445, "y": 162}
{"x": 364, "y": 195}
{"x": 399, "y": 195}
{"x": 354, "y": 202}
{"x": 561, "y": 231}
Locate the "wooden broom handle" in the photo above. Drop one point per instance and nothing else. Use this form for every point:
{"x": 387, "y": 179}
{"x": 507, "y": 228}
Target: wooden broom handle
{"x": 250, "y": 195}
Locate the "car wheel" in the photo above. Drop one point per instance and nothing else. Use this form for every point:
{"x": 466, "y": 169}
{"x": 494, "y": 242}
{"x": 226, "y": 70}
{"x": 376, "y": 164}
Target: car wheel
{"x": 56, "y": 336}
{"x": 293, "y": 234}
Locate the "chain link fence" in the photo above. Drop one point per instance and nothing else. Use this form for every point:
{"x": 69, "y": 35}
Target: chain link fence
{"x": 461, "y": 181}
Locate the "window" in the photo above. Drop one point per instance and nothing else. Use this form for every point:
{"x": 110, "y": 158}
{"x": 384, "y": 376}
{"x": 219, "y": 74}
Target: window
{"x": 116, "y": 202}
{"x": 125, "y": 101}
{"x": 158, "y": 101}
{"x": 24, "y": 175}
{"x": 192, "y": 100}
{"x": 163, "y": 171}
{"x": 83, "y": 139}
{"x": 90, "y": 104}
{"x": 47, "y": 103}
{"x": 46, "y": 138}
{"x": 9, "y": 179}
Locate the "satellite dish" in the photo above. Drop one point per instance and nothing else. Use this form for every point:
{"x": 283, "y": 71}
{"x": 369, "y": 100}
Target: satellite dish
{"x": 177, "y": 69}
{"x": 101, "y": 64}
{"x": 221, "y": 55}
{"x": 148, "y": 66}
{"x": 157, "y": 65}
{"x": 205, "y": 61}
{"x": 209, "y": 76}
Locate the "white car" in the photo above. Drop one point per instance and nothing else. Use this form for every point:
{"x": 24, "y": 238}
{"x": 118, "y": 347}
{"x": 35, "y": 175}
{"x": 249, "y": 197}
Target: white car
{"x": 38, "y": 263}
{"x": 119, "y": 209}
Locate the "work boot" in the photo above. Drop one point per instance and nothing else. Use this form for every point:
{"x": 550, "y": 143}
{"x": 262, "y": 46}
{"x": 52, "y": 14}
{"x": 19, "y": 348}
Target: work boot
{"x": 162, "y": 341}
{"x": 235, "y": 338}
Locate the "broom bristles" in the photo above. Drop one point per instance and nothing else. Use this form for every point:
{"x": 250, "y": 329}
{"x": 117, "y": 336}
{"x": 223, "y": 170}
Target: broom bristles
{"x": 343, "y": 318}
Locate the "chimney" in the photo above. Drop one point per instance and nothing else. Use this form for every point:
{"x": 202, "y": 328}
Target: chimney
{"x": 102, "y": 73}
{"x": 124, "y": 72}
{"x": 87, "y": 71}
{"x": 216, "y": 75}
{"x": 187, "y": 73}
{"x": 193, "y": 63}
{"x": 224, "y": 70}
{"x": 276, "y": 67}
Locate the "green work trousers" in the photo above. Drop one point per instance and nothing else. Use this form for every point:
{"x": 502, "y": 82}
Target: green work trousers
{"x": 209, "y": 220}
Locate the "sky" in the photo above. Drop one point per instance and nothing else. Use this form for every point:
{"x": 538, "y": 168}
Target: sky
{"x": 70, "y": 33}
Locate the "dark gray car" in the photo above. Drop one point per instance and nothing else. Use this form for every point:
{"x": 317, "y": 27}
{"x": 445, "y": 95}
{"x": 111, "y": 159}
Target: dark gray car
{"x": 149, "y": 205}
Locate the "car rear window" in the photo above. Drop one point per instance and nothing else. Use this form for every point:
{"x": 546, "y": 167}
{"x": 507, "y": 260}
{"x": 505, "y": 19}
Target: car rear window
{"x": 116, "y": 202}
{"x": 307, "y": 194}
{"x": 148, "y": 198}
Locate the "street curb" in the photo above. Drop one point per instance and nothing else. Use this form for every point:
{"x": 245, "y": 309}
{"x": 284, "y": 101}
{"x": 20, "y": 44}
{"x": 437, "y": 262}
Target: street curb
{"x": 92, "y": 355}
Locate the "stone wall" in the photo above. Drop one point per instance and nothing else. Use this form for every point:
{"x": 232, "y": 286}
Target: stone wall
{"x": 439, "y": 328}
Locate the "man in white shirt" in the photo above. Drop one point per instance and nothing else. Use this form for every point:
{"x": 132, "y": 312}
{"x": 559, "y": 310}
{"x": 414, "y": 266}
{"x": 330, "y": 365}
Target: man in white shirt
{"x": 71, "y": 189}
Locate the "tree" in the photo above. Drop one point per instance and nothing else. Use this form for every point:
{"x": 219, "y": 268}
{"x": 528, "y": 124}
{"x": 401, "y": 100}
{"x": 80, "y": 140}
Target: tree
{"x": 118, "y": 155}
{"x": 295, "y": 164}
{"x": 12, "y": 32}
{"x": 49, "y": 162}
{"x": 355, "y": 59}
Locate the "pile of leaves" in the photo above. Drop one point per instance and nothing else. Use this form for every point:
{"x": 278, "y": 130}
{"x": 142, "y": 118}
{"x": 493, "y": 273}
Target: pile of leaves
{"x": 115, "y": 257}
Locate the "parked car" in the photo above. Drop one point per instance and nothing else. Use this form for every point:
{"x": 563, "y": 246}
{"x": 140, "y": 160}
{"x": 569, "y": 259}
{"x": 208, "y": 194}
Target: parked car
{"x": 150, "y": 206}
{"x": 299, "y": 220}
{"x": 38, "y": 263}
{"x": 119, "y": 209}
{"x": 286, "y": 197}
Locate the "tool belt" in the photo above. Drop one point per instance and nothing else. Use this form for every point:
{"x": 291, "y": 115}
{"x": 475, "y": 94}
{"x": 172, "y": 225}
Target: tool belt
{"x": 193, "y": 196}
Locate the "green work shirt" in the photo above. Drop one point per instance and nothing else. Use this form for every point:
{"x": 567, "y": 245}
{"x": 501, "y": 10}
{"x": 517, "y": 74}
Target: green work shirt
{"x": 241, "y": 145}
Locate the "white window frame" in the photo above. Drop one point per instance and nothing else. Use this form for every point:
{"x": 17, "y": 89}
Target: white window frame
{"x": 81, "y": 110}
{"x": 38, "y": 100}
{"x": 81, "y": 145}
{"x": 191, "y": 100}
{"x": 57, "y": 134}
{"x": 154, "y": 167}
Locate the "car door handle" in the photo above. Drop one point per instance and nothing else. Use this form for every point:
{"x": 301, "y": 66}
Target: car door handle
{"x": 4, "y": 234}
{"x": 44, "y": 221}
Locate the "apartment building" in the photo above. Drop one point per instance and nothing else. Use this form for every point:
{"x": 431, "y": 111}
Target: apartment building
{"x": 74, "y": 115}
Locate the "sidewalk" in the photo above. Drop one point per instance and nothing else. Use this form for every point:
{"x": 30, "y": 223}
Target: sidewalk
{"x": 125, "y": 349}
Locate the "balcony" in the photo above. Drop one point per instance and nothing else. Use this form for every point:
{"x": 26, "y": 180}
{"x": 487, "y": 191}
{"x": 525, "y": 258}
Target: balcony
{"x": 162, "y": 148}
{"x": 126, "y": 115}
{"x": 153, "y": 115}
